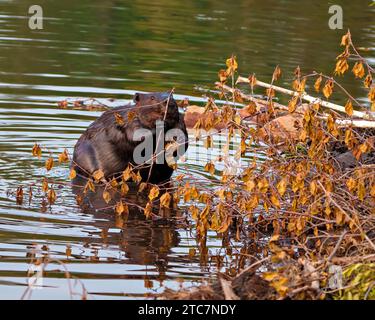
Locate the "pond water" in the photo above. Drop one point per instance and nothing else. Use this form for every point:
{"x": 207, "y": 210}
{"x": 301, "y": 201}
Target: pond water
{"x": 111, "y": 49}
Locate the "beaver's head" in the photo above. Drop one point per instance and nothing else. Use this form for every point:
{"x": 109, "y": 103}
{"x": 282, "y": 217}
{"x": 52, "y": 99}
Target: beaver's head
{"x": 156, "y": 106}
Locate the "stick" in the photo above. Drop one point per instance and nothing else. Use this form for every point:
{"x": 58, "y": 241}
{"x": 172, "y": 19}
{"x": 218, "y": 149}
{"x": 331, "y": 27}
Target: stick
{"x": 341, "y": 122}
{"x": 304, "y": 96}
{"x": 250, "y": 98}
{"x": 356, "y": 123}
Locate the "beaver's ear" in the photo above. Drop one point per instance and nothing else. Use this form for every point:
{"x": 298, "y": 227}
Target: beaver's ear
{"x": 136, "y": 97}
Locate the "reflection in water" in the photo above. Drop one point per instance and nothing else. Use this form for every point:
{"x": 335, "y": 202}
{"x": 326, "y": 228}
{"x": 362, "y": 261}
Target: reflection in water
{"x": 110, "y": 49}
{"x": 144, "y": 242}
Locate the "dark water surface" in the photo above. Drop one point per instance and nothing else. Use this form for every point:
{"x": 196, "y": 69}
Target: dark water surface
{"x": 110, "y": 49}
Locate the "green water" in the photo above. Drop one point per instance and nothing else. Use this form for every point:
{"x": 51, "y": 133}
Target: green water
{"x": 110, "y": 49}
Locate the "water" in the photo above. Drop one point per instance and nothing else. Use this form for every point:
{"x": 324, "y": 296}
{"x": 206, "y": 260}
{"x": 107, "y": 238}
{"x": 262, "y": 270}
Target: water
{"x": 111, "y": 49}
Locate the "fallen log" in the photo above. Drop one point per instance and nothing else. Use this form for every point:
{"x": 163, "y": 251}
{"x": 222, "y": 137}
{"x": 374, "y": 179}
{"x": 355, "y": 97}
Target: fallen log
{"x": 305, "y": 96}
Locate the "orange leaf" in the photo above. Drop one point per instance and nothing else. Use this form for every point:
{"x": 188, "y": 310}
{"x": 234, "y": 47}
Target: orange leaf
{"x": 37, "y": 150}
{"x": 349, "y": 108}
{"x": 49, "y": 164}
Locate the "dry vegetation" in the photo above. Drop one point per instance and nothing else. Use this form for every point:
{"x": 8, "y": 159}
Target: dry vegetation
{"x": 312, "y": 199}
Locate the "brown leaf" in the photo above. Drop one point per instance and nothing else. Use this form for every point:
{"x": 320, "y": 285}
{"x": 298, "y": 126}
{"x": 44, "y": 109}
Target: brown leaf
{"x": 231, "y": 65}
{"x": 106, "y": 196}
{"x": 49, "y": 164}
{"x": 165, "y": 200}
{"x": 63, "y": 104}
{"x": 119, "y": 119}
{"x": 127, "y": 173}
{"x": 368, "y": 81}
{"x": 64, "y": 157}
{"x": 292, "y": 105}
{"x": 318, "y": 83}
{"x": 328, "y": 88}
{"x": 154, "y": 192}
{"x": 124, "y": 188}
{"x": 371, "y": 94}
{"x": 51, "y": 196}
{"x": 121, "y": 208}
{"x": 276, "y": 74}
{"x": 131, "y": 116}
{"x": 37, "y": 151}
{"x": 252, "y": 80}
{"x": 148, "y": 210}
{"x": 209, "y": 167}
{"x": 90, "y": 185}
{"x": 358, "y": 70}
{"x": 297, "y": 72}
{"x": 341, "y": 66}
{"x": 45, "y": 185}
{"x": 282, "y": 185}
{"x": 98, "y": 175}
{"x": 142, "y": 187}
{"x": 223, "y": 75}
{"x": 345, "y": 39}
{"x": 349, "y": 108}
{"x": 19, "y": 195}
{"x": 72, "y": 174}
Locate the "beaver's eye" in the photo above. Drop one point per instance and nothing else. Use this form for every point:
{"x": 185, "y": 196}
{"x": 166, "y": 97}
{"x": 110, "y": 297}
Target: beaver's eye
{"x": 152, "y": 98}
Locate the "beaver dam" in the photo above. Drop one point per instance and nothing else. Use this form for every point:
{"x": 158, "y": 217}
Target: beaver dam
{"x": 274, "y": 197}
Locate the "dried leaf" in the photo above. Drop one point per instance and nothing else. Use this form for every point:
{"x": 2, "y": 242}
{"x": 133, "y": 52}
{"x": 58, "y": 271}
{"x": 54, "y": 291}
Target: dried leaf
{"x": 131, "y": 116}
{"x": 281, "y": 186}
{"x": 98, "y": 175}
{"x": 142, "y": 187}
{"x": 64, "y": 157}
{"x": 90, "y": 185}
{"x": 51, "y": 196}
{"x": 345, "y": 39}
{"x": 349, "y": 108}
{"x": 358, "y": 70}
{"x": 37, "y": 151}
{"x": 148, "y": 210}
{"x": 49, "y": 164}
{"x": 223, "y": 76}
{"x": 341, "y": 66}
{"x": 276, "y": 74}
{"x": 328, "y": 88}
{"x": 210, "y": 167}
{"x": 106, "y": 196}
{"x": 165, "y": 200}
{"x": 127, "y": 173}
{"x": 154, "y": 192}
{"x": 368, "y": 81}
{"x": 292, "y": 105}
{"x": 72, "y": 174}
{"x": 45, "y": 185}
{"x": 119, "y": 119}
{"x": 318, "y": 83}
{"x": 19, "y": 195}
{"x": 121, "y": 208}
{"x": 231, "y": 65}
{"x": 124, "y": 188}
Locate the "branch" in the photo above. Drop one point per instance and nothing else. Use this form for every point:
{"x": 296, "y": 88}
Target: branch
{"x": 305, "y": 97}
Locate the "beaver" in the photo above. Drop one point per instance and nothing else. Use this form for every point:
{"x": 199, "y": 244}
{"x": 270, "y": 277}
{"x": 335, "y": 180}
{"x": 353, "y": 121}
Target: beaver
{"x": 109, "y": 143}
